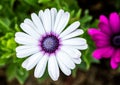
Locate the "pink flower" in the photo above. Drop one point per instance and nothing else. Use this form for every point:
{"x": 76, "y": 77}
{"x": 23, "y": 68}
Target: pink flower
{"x": 107, "y": 39}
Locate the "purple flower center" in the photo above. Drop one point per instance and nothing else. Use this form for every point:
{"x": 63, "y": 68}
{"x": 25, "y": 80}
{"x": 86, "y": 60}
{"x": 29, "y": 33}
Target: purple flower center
{"x": 50, "y": 44}
{"x": 115, "y": 41}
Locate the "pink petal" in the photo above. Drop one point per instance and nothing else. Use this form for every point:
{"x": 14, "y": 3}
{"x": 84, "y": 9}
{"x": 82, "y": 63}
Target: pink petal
{"x": 114, "y": 22}
{"x": 97, "y": 54}
{"x": 92, "y": 31}
{"x": 105, "y": 28}
{"x": 109, "y": 51}
{"x": 105, "y": 52}
{"x": 103, "y": 19}
{"x": 113, "y": 64}
{"x": 117, "y": 55}
{"x": 95, "y": 32}
{"x": 101, "y": 37}
{"x": 102, "y": 43}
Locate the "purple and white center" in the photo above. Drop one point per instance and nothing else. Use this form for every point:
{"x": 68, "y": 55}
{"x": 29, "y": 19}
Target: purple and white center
{"x": 50, "y": 43}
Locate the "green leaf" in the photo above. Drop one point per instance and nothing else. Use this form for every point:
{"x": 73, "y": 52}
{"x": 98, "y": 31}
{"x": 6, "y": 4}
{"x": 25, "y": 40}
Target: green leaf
{"x": 11, "y": 44}
{"x": 1, "y": 7}
{"x": 44, "y": 77}
{"x": 4, "y": 24}
{"x": 11, "y": 72}
{"x": 31, "y": 2}
{"x": 43, "y": 1}
{"x": 6, "y": 56}
{"x": 21, "y": 75}
{"x": 74, "y": 72}
{"x": 17, "y": 28}
{"x": 3, "y": 62}
{"x": 12, "y": 3}
{"x": 87, "y": 57}
{"x": 83, "y": 66}
{"x": 86, "y": 18}
{"x": 95, "y": 23}
{"x": 78, "y": 14}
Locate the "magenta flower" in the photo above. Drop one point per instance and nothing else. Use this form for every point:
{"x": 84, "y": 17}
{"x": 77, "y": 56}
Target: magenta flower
{"x": 107, "y": 39}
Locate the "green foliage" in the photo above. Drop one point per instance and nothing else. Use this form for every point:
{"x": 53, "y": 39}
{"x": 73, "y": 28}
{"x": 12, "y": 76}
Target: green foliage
{"x": 87, "y": 54}
{"x": 13, "y": 12}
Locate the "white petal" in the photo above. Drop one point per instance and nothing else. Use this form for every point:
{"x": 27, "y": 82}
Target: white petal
{"x": 63, "y": 22}
{"x": 28, "y": 21}
{"x": 63, "y": 68}
{"x": 53, "y": 69}
{"x": 70, "y": 29}
{"x": 38, "y": 23}
{"x": 40, "y": 14}
{"x": 80, "y": 47}
{"x": 53, "y": 17}
{"x": 57, "y": 20}
{"x": 47, "y": 20}
{"x": 65, "y": 59}
{"x": 72, "y": 52}
{"x": 73, "y": 34}
{"x": 74, "y": 41}
{"x": 31, "y": 24}
{"x": 26, "y": 40}
{"x": 29, "y": 30}
{"x": 76, "y": 60}
{"x": 27, "y": 52}
{"x": 30, "y": 62}
{"x": 24, "y": 47}
{"x": 40, "y": 68}
{"x": 22, "y": 34}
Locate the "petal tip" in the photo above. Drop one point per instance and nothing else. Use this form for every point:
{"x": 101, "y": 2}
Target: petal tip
{"x": 96, "y": 55}
{"x": 90, "y": 31}
{"x": 113, "y": 64}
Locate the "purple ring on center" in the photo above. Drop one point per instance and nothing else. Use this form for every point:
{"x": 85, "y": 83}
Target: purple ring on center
{"x": 115, "y": 41}
{"x": 50, "y": 43}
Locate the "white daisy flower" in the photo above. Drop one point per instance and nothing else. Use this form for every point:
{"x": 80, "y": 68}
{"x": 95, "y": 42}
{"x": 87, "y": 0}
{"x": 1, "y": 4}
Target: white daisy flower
{"x": 45, "y": 41}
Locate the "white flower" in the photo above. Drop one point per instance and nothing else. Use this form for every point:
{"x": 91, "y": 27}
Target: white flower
{"x": 46, "y": 41}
